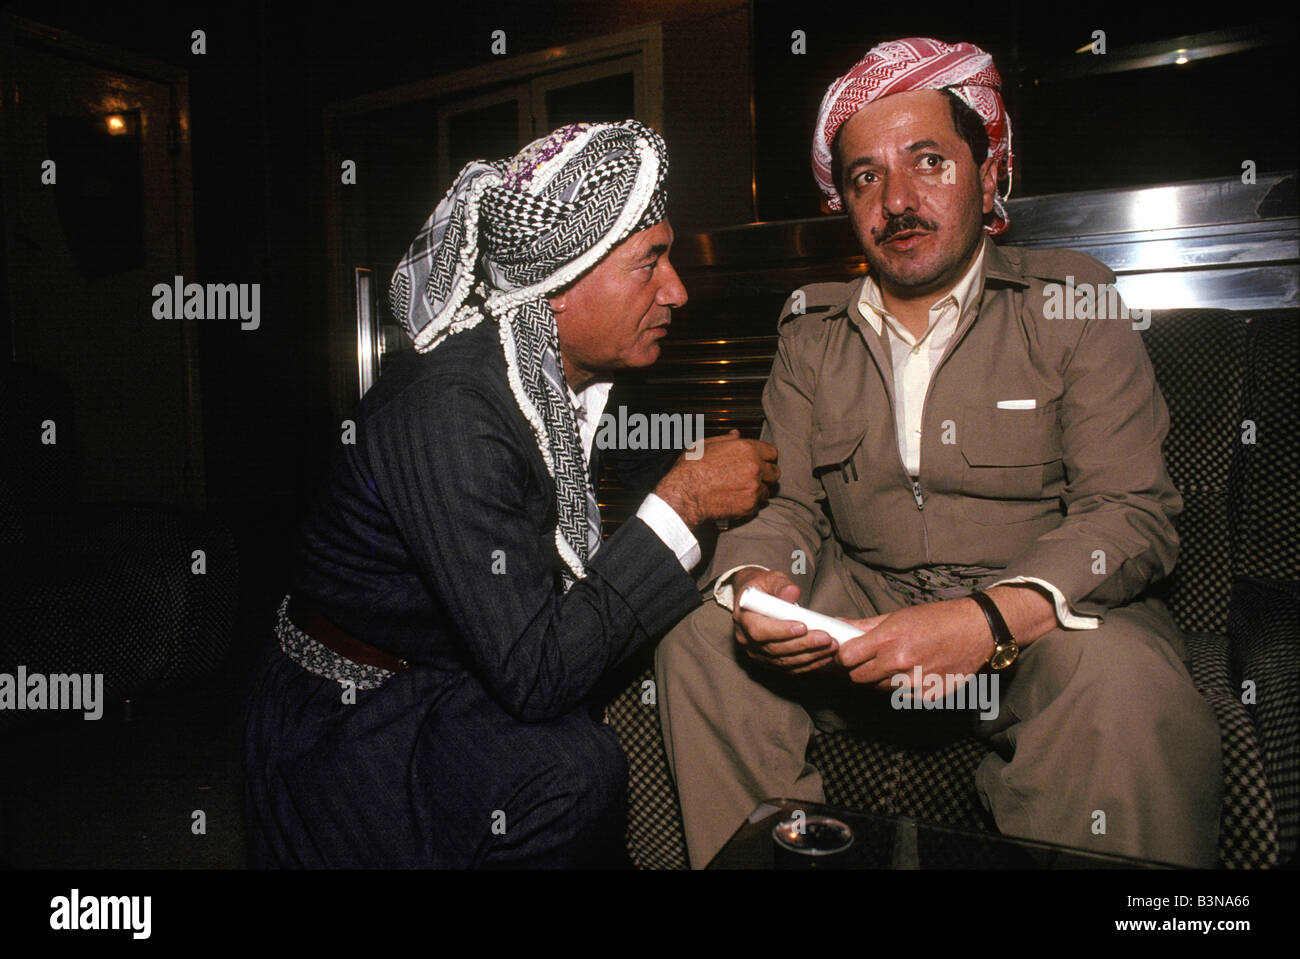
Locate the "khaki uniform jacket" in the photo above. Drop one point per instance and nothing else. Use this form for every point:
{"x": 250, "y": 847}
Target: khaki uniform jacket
{"x": 1073, "y": 491}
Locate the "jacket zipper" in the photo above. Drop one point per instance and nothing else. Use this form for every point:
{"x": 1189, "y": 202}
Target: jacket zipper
{"x": 918, "y": 494}
{"x": 915, "y": 484}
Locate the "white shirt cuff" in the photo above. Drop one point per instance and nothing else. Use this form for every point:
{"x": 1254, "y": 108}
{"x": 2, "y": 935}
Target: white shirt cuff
{"x": 1067, "y": 619}
{"x": 668, "y": 526}
{"x": 722, "y": 590}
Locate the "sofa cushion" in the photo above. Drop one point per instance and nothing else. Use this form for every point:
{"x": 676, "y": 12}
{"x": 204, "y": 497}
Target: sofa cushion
{"x": 655, "y": 839}
{"x": 1199, "y": 358}
{"x": 115, "y": 590}
{"x": 1248, "y": 834}
{"x": 1270, "y": 514}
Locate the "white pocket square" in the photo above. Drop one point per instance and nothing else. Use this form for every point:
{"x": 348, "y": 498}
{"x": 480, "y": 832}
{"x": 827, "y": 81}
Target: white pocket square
{"x": 1017, "y": 404}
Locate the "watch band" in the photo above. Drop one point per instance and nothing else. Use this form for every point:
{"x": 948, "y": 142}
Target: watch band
{"x": 1005, "y": 649}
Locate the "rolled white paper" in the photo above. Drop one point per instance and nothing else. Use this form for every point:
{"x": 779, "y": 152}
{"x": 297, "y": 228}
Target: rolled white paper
{"x": 757, "y": 601}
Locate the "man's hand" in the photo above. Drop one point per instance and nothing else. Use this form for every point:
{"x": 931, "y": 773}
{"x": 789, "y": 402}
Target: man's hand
{"x": 779, "y": 643}
{"x": 943, "y": 638}
{"x": 730, "y": 479}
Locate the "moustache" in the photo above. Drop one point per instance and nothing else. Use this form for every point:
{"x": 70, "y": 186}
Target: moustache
{"x": 901, "y": 224}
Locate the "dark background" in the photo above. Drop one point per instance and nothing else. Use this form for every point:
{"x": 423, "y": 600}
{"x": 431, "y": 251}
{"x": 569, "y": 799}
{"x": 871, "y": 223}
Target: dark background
{"x": 258, "y": 96}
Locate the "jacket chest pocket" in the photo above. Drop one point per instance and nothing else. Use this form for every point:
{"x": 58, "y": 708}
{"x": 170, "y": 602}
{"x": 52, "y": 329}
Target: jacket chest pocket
{"x": 1010, "y": 454}
{"x": 836, "y": 464}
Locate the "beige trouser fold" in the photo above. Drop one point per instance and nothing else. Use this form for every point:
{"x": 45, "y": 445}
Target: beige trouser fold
{"x": 1096, "y": 727}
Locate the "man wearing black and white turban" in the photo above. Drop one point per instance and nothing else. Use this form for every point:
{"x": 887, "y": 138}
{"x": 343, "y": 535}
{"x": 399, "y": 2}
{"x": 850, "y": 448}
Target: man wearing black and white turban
{"x": 453, "y": 605}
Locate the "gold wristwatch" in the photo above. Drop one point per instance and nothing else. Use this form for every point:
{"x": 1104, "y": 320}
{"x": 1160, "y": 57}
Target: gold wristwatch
{"x": 1005, "y": 649}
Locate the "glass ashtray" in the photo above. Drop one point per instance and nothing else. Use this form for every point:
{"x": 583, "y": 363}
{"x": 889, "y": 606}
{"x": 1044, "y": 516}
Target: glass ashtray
{"x": 813, "y": 835}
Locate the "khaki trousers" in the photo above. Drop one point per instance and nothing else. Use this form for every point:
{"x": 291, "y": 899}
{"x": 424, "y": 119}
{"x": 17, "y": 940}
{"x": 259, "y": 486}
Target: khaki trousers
{"x": 1090, "y": 722}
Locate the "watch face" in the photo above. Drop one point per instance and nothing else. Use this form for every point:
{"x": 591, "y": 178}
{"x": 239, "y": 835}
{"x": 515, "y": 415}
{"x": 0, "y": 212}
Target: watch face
{"x": 1004, "y": 656}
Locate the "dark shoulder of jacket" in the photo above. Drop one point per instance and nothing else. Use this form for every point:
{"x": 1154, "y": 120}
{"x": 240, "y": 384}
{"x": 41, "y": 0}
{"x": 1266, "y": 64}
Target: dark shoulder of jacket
{"x": 1057, "y": 265}
{"x": 471, "y": 358}
{"x": 813, "y": 304}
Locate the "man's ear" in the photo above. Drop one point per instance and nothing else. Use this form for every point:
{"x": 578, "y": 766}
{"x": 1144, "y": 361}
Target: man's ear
{"x": 989, "y": 182}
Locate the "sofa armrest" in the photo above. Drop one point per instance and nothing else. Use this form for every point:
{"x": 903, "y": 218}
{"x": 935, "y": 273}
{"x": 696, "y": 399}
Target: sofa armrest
{"x": 1264, "y": 644}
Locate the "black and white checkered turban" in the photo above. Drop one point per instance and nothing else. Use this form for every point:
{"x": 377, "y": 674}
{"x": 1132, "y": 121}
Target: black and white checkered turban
{"x": 508, "y": 234}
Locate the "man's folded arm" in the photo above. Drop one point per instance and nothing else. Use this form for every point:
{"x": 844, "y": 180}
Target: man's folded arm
{"x": 456, "y": 483}
{"x": 1065, "y": 617}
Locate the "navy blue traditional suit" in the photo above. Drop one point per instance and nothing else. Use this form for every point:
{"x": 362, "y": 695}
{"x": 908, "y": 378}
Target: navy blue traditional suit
{"x": 433, "y": 540}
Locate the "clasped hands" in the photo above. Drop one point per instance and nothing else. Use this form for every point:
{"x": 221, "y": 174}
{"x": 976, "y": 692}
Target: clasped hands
{"x": 948, "y": 637}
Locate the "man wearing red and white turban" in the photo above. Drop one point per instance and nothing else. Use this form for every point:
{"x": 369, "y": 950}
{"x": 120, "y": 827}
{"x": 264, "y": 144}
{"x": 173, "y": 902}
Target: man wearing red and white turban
{"x": 961, "y": 69}
{"x": 976, "y": 486}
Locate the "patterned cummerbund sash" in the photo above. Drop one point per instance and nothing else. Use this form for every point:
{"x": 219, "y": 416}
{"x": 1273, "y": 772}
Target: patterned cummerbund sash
{"x": 926, "y": 584}
{"x": 319, "y": 659}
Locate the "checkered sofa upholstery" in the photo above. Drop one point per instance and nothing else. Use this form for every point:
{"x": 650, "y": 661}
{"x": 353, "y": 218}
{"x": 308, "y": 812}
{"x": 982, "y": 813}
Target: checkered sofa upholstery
{"x": 1230, "y": 381}
{"x": 99, "y": 588}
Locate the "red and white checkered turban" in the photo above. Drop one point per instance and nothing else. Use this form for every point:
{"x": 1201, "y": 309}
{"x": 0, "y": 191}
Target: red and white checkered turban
{"x": 901, "y": 66}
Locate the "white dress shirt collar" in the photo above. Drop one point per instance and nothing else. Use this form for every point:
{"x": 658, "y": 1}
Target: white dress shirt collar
{"x": 588, "y": 407}
{"x": 967, "y": 291}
